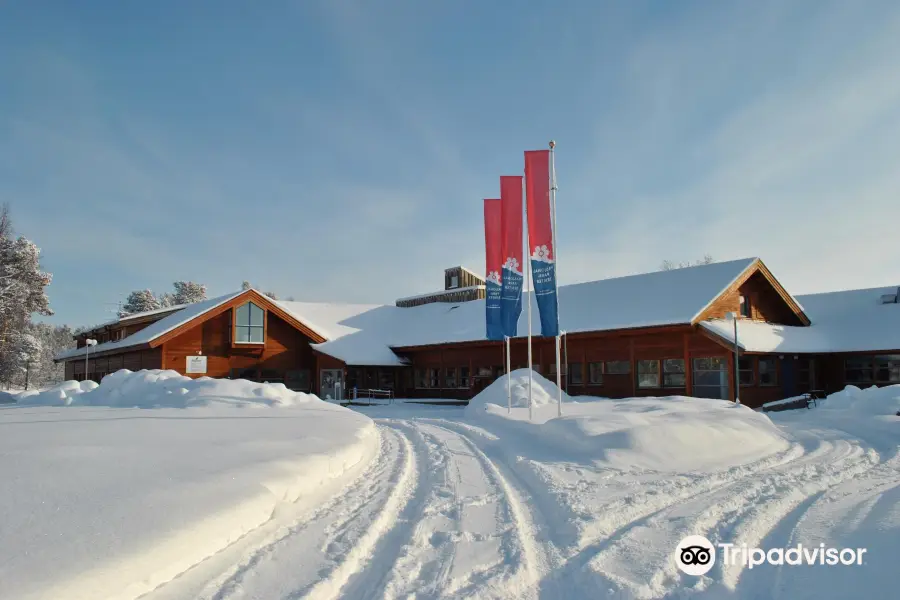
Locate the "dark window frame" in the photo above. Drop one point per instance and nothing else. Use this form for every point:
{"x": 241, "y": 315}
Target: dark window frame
{"x": 595, "y": 368}
{"x": 751, "y": 370}
{"x": 669, "y": 370}
{"x": 761, "y": 372}
{"x": 249, "y": 327}
{"x": 638, "y": 372}
{"x": 608, "y": 370}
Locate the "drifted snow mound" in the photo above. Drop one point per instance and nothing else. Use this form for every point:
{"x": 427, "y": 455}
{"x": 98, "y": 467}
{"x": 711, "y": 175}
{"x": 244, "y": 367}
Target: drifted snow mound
{"x": 674, "y": 433}
{"x": 873, "y": 401}
{"x": 669, "y": 434}
{"x": 167, "y": 389}
{"x": 60, "y": 395}
{"x": 544, "y": 392}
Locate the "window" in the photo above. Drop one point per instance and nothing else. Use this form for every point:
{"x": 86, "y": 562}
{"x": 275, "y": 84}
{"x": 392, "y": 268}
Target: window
{"x": 745, "y": 370}
{"x": 673, "y": 372}
{"x": 464, "y": 377}
{"x": 483, "y": 372}
{"x": 575, "y": 375}
{"x": 421, "y": 379}
{"x": 804, "y": 374}
{"x": 297, "y": 380}
{"x": 385, "y": 379}
{"x": 553, "y": 370}
{"x": 746, "y": 309}
{"x": 595, "y": 373}
{"x": 249, "y": 324}
{"x": 648, "y": 374}
{"x": 536, "y": 367}
{"x": 710, "y": 378}
{"x": 434, "y": 378}
{"x": 887, "y": 368}
{"x": 858, "y": 370}
{"x": 768, "y": 375}
{"x": 454, "y": 281}
{"x": 450, "y": 378}
{"x": 618, "y": 367}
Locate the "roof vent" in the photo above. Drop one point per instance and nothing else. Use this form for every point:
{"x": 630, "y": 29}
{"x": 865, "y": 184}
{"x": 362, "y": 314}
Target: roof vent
{"x": 891, "y": 298}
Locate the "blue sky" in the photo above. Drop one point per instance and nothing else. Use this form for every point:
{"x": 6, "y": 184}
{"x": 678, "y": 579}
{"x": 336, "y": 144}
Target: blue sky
{"x": 336, "y": 150}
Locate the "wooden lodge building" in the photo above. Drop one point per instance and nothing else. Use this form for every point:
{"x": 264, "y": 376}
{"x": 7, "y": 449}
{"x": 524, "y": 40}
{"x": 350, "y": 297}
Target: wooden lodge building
{"x": 659, "y": 334}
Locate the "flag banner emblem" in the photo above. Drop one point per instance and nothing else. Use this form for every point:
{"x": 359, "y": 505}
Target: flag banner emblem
{"x": 493, "y": 253}
{"x": 511, "y": 276}
{"x": 540, "y": 239}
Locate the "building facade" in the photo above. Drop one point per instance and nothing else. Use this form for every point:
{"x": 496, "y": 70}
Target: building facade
{"x": 656, "y": 334}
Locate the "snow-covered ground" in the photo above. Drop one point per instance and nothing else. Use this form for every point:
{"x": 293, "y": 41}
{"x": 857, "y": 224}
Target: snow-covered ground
{"x": 452, "y": 502}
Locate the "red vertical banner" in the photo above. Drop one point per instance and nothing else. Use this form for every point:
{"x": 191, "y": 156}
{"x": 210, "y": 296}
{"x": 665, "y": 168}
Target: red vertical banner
{"x": 493, "y": 254}
{"x": 511, "y": 253}
{"x": 542, "y": 254}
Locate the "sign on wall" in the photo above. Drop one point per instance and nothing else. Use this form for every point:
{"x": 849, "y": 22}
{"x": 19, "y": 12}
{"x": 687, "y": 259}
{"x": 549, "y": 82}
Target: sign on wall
{"x": 195, "y": 364}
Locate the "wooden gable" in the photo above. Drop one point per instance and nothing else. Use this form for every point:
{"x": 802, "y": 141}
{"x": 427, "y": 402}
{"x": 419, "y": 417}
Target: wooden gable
{"x": 769, "y": 301}
{"x": 260, "y": 300}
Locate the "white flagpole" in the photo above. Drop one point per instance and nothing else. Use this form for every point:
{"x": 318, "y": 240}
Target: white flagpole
{"x": 527, "y": 267}
{"x": 556, "y": 279}
{"x": 508, "y": 380}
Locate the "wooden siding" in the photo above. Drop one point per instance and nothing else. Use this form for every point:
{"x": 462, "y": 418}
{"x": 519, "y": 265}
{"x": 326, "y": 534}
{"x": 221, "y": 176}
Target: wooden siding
{"x": 767, "y": 302}
{"x": 465, "y": 278}
{"x": 134, "y": 360}
{"x": 285, "y": 348}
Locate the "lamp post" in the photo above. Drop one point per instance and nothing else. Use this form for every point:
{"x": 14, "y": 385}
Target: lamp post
{"x": 87, "y": 351}
{"x": 737, "y": 376}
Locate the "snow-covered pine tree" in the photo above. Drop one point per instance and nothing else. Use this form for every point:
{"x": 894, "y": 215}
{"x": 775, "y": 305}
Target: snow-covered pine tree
{"x": 245, "y": 285}
{"x": 53, "y": 339}
{"x": 271, "y": 295}
{"x": 22, "y": 286}
{"x": 189, "y": 292}
{"x": 139, "y": 301}
{"x": 27, "y": 353}
{"x": 167, "y": 299}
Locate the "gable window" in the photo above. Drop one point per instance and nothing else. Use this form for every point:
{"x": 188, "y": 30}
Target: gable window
{"x": 249, "y": 324}
{"x": 746, "y": 309}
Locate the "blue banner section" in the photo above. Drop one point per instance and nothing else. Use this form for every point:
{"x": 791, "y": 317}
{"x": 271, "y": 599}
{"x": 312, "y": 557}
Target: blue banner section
{"x": 543, "y": 278}
{"x": 493, "y": 312}
{"x": 510, "y": 301}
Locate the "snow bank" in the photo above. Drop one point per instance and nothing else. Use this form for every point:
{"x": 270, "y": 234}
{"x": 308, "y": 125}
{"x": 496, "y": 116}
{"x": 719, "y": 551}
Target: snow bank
{"x": 873, "y": 401}
{"x": 673, "y": 434}
{"x": 165, "y": 389}
{"x": 104, "y": 502}
{"x": 60, "y": 395}
{"x": 544, "y": 393}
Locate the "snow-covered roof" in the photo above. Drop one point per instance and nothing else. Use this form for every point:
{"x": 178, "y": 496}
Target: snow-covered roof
{"x": 846, "y": 321}
{"x": 645, "y": 300}
{"x": 146, "y": 313}
{"x": 154, "y": 330}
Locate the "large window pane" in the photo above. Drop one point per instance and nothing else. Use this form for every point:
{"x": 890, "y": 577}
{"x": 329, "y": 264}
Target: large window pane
{"x": 673, "y": 372}
{"x": 464, "y": 377}
{"x": 618, "y": 367}
{"x": 256, "y": 335}
{"x": 595, "y": 373}
{"x": 710, "y": 378}
{"x": 256, "y": 315}
{"x": 858, "y": 370}
{"x": 745, "y": 370}
{"x": 575, "y": 375}
{"x": 450, "y": 380}
{"x": 243, "y": 314}
{"x": 648, "y": 374}
{"x": 768, "y": 375}
{"x": 887, "y": 368}
{"x": 242, "y": 334}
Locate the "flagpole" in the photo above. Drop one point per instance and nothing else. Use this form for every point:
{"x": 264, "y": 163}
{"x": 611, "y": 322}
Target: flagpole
{"x": 508, "y": 380}
{"x": 527, "y": 267}
{"x": 556, "y": 279}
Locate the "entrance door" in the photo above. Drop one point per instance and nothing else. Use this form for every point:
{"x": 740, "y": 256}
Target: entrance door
{"x": 787, "y": 377}
{"x": 331, "y": 384}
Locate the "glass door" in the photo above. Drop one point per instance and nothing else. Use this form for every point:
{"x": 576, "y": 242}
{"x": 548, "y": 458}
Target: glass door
{"x": 331, "y": 384}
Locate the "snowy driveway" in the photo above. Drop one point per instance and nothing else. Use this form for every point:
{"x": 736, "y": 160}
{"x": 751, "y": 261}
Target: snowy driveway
{"x": 450, "y": 510}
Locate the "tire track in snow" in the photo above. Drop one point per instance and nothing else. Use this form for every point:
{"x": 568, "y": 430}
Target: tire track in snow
{"x": 476, "y": 537}
{"x": 281, "y": 566}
